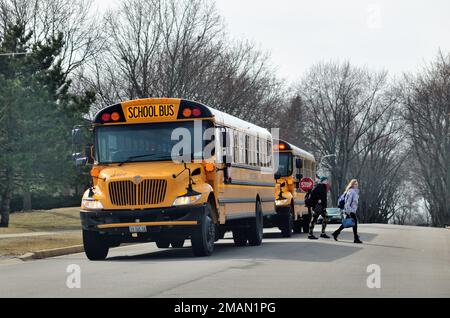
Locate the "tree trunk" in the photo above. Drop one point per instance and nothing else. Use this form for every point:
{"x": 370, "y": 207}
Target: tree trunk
{"x": 26, "y": 199}
{"x": 5, "y": 208}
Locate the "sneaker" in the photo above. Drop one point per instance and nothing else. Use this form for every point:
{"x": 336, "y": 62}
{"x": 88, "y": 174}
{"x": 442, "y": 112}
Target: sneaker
{"x": 323, "y": 235}
{"x": 312, "y": 237}
{"x": 357, "y": 241}
{"x": 335, "y": 236}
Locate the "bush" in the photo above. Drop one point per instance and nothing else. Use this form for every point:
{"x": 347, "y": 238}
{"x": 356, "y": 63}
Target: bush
{"x": 44, "y": 201}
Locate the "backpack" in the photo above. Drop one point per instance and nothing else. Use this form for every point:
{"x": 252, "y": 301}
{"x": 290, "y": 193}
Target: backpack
{"x": 309, "y": 200}
{"x": 341, "y": 201}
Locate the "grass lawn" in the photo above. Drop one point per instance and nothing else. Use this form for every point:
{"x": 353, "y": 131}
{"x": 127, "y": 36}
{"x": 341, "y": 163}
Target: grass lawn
{"x": 44, "y": 221}
{"x": 19, "y": 246}
{"x": 57, "y": 221}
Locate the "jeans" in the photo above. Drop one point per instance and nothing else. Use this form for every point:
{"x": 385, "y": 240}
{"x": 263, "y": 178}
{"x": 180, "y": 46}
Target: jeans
{"x": 355, "y": 228}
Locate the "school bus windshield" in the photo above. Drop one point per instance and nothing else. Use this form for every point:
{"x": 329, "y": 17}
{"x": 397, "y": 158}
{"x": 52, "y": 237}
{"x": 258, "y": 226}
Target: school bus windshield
{"x": 149, "y": 142}
{"x": 285, "y": 164}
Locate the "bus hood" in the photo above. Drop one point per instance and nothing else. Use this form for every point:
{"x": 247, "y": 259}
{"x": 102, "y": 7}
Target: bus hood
{"x": 145, "y": 185}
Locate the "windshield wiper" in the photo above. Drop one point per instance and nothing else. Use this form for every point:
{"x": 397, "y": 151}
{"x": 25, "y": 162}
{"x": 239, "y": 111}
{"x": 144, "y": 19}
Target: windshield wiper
{"x": 130, "y": 159}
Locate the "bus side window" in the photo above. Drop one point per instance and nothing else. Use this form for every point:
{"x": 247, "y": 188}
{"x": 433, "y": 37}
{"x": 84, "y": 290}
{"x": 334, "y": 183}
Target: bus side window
{"x": 247, "y": 146}
{"x": 269, "y": 153}
{"x": 236, "y": 147}
{"x": 258, "y": 159}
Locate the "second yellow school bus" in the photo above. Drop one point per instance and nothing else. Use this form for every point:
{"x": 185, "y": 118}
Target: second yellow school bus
{"x": 167, "y": 170}
{"x": 294, "y": 164}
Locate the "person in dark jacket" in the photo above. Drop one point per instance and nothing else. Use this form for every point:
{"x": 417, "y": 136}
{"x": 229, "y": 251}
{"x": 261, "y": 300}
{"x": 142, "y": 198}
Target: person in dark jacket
{"x": 319, "y": 199}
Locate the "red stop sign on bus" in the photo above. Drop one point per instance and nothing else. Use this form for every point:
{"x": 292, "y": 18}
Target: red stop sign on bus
{"x": 306, "y": 184}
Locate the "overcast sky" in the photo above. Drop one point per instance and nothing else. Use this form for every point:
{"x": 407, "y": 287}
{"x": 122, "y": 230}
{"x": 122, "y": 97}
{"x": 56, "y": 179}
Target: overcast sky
{"x": 397, "y": 35}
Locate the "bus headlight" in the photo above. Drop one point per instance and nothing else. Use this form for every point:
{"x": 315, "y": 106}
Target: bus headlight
{"x": 186, "y": 200}
{"x": 282, "y": 202}
{"x": 91, "y": 204}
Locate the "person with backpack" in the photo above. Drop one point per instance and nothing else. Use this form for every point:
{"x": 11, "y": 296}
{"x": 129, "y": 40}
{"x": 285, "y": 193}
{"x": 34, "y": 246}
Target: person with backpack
{"x": 319, "y": 207}
{"x": 349, "y": 201}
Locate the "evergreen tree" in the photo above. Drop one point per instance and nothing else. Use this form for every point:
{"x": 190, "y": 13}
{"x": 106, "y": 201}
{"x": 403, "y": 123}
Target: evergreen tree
{"x": 37, "y": 112}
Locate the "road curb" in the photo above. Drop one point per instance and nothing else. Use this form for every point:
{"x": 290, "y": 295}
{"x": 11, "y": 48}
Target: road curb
{"x": 52, "y": 253}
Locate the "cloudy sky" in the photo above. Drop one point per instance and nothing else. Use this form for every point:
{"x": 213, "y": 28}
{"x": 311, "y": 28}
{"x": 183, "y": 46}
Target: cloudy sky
{"x": 395, "y": 35}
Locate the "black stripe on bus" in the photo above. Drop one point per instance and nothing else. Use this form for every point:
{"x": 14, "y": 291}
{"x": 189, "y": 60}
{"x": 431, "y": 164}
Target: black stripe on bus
{"x": 253, "y": 183}
{"x": 244, "y": 200}
{"x": 242, "y": 215}
{"x": 246, "y": 167}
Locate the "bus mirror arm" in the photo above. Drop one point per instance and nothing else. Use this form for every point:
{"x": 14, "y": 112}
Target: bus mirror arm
{"x": 190, "y": 191}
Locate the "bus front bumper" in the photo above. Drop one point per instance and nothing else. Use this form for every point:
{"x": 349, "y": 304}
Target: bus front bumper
{"x": 116, "y": 222}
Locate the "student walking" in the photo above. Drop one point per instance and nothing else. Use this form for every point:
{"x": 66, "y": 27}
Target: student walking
{"x": 351, "y": 205}
{"x": 319, "y": 199}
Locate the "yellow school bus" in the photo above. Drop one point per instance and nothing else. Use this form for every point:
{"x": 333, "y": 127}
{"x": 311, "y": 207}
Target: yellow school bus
{"x": 294, "y": 164}
{"x": 167, "y": 170}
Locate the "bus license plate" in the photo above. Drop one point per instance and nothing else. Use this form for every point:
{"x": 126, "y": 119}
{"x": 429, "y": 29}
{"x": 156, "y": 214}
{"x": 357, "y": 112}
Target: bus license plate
{"x": 138, "y": 229}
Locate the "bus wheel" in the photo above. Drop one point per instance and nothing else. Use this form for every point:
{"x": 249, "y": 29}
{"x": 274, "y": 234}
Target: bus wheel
{"x": 240, "y": 237}
{"x": 162, "y": 243}
{"x": 287, "y": 224}
{"x": 306, "y": 221}
{"x": 177, "y": 243}
{"x": 204, "y": 234}
{"x": 95, "y": 248}
{"x": 255, "y": 231}
{"x": 220, "y": 234}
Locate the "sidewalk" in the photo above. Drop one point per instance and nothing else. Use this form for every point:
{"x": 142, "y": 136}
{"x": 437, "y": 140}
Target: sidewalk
{"x": 33, "y": 234}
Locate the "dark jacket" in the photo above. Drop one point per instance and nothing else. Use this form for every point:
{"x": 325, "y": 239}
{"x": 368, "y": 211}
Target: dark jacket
{"x": 320, "y": 193}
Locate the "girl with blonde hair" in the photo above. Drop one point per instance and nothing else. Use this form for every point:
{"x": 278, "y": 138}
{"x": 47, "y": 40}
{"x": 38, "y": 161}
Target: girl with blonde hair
{"x": 351, "y": 205}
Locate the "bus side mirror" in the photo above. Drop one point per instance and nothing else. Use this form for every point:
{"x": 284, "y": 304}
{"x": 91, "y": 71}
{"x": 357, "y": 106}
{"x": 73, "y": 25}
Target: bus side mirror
{"x": 79, "y": 159}
{"x": 299, "y": 163}
{"x": 77, "y": 136}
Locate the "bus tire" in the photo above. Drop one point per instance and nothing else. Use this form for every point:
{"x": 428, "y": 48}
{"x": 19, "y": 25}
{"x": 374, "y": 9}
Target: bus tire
{"x": 287, "y": 224}
{"x": 204, "y": 235}
{"x": 255, "y": 231}
{"x": 162, "y": 243}
{"x": 95, "y": 248}
{"x": 240, "y": 237}
{"x": 177, "y": 243}
{"x": 305, "y": 223}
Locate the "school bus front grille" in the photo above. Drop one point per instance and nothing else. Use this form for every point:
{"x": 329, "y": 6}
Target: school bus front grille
{"x": 148, "y": 192}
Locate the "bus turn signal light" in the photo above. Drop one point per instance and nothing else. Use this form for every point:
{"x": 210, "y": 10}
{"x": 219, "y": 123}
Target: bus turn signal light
{"x": 115, "y": 116}
{"x": 209, "y": 167}
{"x": 95, "y": 172}
{"x": 187, "y": 112}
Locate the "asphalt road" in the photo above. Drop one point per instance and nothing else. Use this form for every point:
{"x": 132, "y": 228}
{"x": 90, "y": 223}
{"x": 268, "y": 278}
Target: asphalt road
{"x": 412, "y": 262}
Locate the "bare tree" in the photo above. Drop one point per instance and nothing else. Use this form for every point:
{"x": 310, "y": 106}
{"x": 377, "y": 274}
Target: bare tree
{"x": 180, "y": 49}
{"x": 426, "y": 100}
{"x": 343, "y": 104}
{"x": 379, "y": 167}
{"x": 45, "y": 20}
